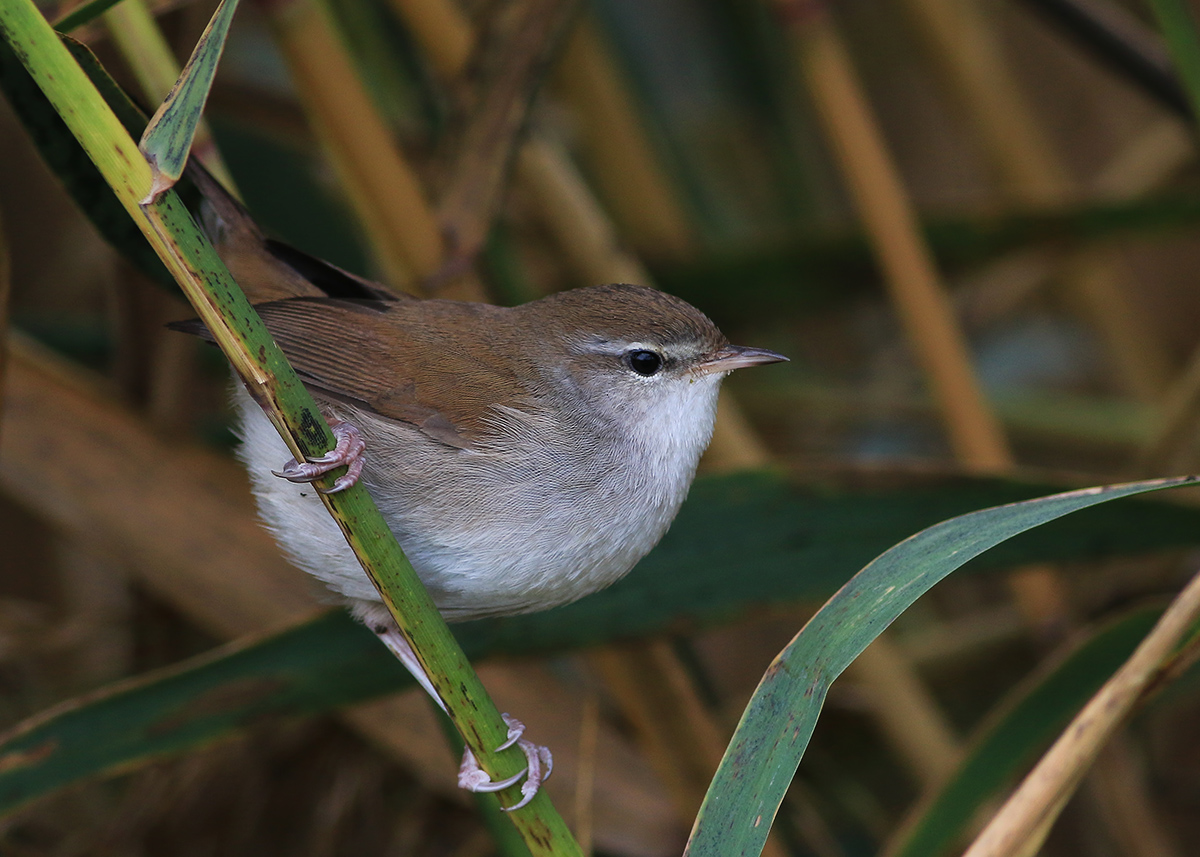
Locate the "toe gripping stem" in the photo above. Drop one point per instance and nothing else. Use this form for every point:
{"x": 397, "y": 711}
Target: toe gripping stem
{"x": 347, "y": 453}
{"x": 470, "y": 776}
{"x": 473, "y": 778}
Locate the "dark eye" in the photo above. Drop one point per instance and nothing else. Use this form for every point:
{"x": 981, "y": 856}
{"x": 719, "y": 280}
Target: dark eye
{"x": 644, "y": 362}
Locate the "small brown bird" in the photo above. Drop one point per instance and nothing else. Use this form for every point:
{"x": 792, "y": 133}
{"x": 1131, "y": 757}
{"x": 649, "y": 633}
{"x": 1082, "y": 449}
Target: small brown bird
{"x": 524, "y": 457}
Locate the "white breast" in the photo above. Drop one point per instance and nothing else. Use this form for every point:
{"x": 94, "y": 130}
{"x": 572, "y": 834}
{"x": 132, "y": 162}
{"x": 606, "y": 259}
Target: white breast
{"x": 541, "y": 517}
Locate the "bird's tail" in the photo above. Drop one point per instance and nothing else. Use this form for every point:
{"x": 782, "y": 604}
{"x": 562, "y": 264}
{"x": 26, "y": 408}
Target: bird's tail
{"x": 266, "y": 269}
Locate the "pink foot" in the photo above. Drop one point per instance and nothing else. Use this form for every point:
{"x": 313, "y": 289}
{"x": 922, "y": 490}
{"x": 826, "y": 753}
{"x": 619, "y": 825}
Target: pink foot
{"x": 470, "y": 776}
{"x": 474, "y": 779}
{"x": 347, "y": 453}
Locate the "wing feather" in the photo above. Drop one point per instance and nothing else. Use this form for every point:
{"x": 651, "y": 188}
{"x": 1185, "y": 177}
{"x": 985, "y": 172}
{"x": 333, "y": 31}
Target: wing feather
{"x": 371, "y": 354}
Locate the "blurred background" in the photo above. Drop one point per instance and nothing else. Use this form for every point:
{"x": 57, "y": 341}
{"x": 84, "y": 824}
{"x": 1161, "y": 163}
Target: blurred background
{"x": 971, "y": 224}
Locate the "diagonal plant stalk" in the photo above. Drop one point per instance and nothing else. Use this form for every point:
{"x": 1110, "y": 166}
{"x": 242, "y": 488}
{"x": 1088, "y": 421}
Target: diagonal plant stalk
{"x": 1019, "y": 729}
{"x": 260, "y": 364}
{"x": 1022, "y": 824}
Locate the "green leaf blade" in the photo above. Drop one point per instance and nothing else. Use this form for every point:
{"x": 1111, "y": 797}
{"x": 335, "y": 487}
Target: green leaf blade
{"x": 167, "y": 141}
{"x": 782, "y": 534}
{"x": 322, "y": 664}
{"x": 776, "y": 726}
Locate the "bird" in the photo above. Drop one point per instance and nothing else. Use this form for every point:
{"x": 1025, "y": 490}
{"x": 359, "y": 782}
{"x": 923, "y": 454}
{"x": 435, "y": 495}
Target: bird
{"x": 524, "y": 457}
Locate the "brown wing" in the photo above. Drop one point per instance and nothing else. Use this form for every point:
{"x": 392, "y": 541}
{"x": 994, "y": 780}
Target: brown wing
{"x": 396, "y": 359}
{"x": 354, "y": 341}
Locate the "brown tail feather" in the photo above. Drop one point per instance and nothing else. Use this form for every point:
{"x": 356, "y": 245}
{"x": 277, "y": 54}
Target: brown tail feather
{"x": 269, "y": 270}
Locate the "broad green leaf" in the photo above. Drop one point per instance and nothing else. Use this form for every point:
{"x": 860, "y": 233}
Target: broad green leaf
{"x": 1011, "y": 741}
{"x": 778, "y": 543}
{"x": 775, "y": 728}
{"x": 314, "y": 667}
{"x": 167, "y": 140}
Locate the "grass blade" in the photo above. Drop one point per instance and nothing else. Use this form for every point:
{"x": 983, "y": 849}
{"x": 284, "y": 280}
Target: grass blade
{"x": 167, "y": 140}
{"x": 313, "y": 667}
{"x": 776, "y": 726}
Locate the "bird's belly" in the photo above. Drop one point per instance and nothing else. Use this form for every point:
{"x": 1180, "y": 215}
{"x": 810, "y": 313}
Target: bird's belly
{"x": 482, "y": 546}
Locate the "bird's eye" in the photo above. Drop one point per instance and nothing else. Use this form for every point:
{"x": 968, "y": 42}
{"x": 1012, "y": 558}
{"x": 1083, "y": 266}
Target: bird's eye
{"x": 644, "y": 362}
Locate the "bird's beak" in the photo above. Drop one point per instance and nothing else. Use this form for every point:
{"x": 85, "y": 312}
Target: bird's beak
{"x": 737, "y": 357}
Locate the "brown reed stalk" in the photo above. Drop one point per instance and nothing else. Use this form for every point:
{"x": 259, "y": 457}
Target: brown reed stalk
{"x": 614, "y": 142}
{"x": 381, "y": 184}
{"x": 574, "y": 218}
{"x": 1021, "y": 825}
{"x": 443, "y": 32}
{"x": 1032, "y": 175}
{"x": 910, "y": 275}
{"x": 909, "y": 271}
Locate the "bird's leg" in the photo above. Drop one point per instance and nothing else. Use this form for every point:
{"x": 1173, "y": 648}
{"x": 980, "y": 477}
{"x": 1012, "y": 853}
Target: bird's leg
{"x": 538, "y": 761}
{"x": 347, "y": 453}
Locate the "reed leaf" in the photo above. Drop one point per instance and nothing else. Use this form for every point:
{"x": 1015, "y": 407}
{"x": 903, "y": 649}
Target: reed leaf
{"x": 167, "y": 140}
{"x": 775, "y": 728}
{"x": 765, "y": 530}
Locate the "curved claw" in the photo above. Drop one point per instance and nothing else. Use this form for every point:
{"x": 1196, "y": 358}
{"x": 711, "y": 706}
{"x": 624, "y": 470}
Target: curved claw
{"x": 293, "y": 471}
{"x": 347, "y": 453}
{"x": 535, "y": 757}
{"x": 475, "y": 779}
{"x": 515, "y": 730}
{"x": 346, "y": 480}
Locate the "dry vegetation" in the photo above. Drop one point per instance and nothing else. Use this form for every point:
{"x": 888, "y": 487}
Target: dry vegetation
{"x": 725, "y": 150}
